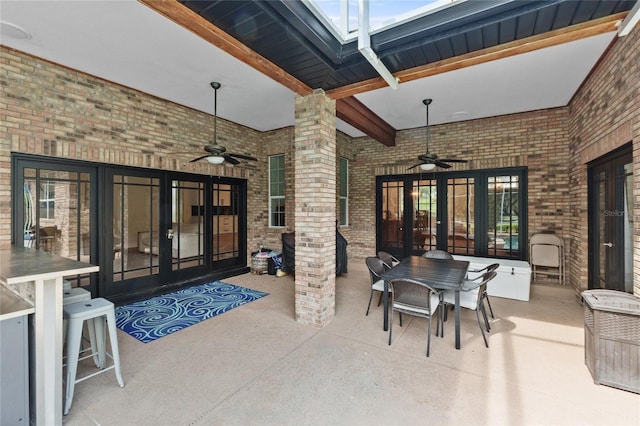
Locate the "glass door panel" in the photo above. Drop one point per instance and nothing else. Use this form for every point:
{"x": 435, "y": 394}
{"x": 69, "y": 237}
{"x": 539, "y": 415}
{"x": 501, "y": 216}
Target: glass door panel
{"x": 136, "y": 230}
{"x": 187, "y": 227}
{"x": 226, "y": 233}
{"x": 392, "y": 214}
{"x": 56, "y": 214}
{"x": 503, "y": 196}
{"x": 611, "y": 224}
{"x": 425, "y": 203}
{"x": 460, "y": 215}
{"x": 603, "y": 230}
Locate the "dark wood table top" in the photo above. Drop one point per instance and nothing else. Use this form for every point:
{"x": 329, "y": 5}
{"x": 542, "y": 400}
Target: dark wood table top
{"x": 438, "y": 273}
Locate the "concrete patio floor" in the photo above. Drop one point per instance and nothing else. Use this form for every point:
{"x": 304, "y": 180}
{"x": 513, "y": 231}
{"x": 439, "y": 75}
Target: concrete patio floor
{"x": 255, "y": 365}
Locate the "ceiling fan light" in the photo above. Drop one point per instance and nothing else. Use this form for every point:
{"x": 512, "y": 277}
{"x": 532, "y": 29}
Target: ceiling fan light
{"x": 215, "y": 159}
{"x": 427, "y": 167}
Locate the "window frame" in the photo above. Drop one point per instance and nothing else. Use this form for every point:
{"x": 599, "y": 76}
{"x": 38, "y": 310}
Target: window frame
{"x": 280, "y": 198}
{"x": 481, "y": 210}
{"x": 343, "y": 198}
{"x": 47, "y": 198}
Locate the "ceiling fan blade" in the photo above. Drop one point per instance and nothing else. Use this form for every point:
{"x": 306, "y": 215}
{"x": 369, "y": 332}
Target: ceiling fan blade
{"x": 454, "y": 160}
{"x": 199, "y": 158}
{"x": 415, "y": 165}
{"x": 243, "y": 157}
{"x": 442, "y": 165}
{"x": 229, "y": 159}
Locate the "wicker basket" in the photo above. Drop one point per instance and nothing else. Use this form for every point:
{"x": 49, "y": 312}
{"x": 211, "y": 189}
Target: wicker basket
{"x": 612, "y": 338}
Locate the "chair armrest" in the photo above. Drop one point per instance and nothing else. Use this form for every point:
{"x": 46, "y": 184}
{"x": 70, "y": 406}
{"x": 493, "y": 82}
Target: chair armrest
{"x": 492, "y": 267}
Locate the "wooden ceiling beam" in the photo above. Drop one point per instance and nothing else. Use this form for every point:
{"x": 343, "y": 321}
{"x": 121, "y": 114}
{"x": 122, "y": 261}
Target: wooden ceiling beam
{"x": 355, "y": 113}
{"x": 185, "y": 17}
{"x": 349, "y": 110}
{"x": 529, "y": 44}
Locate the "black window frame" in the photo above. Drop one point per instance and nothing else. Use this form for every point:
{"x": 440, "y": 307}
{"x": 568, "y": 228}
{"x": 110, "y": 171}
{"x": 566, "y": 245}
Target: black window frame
{"x": 481, "y": 199}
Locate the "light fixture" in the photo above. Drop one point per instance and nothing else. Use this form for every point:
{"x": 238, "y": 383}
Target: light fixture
{"x": 215, "y": 159}
{"x": 427, "y": 167}
{"x": 7, "y": 29}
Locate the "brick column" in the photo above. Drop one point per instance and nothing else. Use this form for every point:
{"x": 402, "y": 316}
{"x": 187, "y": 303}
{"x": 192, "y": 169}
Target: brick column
{"x": 315, "y": 208}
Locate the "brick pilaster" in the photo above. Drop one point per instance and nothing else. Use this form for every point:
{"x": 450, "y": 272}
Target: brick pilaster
{"x": 315, "y": 208}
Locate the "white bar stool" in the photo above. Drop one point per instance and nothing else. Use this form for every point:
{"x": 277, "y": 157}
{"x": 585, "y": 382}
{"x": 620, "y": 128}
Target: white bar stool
{"x": 94, "y": 312}
{"x": 73, "y": 295}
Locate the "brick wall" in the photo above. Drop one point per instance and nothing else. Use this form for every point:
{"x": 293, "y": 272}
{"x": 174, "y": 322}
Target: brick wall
{"x": 50, "y": 110}
{"x": 538, "y": 140}
{"x": 604, "y": 115}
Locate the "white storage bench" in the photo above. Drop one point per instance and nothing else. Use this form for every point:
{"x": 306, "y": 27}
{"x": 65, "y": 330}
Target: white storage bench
{"x": 513, "y": 280}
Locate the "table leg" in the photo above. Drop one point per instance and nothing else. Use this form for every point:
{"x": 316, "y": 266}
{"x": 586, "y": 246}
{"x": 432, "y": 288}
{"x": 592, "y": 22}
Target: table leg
{"x": 385, "y": 300}
{"x": 457, "y": 308}
{"x": 47, "y": 352}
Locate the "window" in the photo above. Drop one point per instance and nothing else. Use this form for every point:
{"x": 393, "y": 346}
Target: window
{"x": 47, "y": 200}
{"x": 344, "y": 192}
{"x": 276, "y": 191}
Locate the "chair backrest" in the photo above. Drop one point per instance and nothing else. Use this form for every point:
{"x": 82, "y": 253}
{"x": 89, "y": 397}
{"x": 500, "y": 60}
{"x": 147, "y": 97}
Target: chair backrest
{"x": 413, "y": 293}
{"x": 492, "y": 267}
{"x": 437, "y": 254}
{"x": 486, "y": 277}
{"x": 376, "y": 268}
{"x": 545, "y": 255}
{"x": 546, "y": 250}
{"x": 389, "y": 260}
{"x": 482, "y": 279}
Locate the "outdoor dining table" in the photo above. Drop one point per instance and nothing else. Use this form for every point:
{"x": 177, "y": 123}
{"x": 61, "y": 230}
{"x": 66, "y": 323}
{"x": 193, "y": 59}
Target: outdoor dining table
{"x": 441, "y": 274}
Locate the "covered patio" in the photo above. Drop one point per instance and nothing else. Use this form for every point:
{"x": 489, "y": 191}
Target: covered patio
{"x": 257, "y": 365}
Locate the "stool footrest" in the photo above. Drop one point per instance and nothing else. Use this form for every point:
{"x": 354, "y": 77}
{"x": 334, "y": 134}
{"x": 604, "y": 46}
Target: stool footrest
{"x": 95, "y": 373}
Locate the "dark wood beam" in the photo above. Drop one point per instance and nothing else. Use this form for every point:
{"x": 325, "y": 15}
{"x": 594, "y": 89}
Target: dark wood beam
{"x": 350, "y": 110}
{"x": 529, "y": 44}
{"x": 355, "y": 113}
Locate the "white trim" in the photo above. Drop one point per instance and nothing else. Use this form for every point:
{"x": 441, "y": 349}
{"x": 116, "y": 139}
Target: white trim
{"x": 630, "y": 21}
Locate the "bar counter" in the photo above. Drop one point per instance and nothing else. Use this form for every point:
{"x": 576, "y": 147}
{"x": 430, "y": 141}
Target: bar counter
{"x": 36, "y": 276}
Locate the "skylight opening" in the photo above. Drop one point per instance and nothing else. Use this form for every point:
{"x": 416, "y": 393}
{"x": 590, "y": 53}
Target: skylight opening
{"x": 341, "y": 16}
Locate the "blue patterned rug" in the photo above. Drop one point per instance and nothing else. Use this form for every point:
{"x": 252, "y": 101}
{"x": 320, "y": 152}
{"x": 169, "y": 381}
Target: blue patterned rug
{"x": 159, "y": 316}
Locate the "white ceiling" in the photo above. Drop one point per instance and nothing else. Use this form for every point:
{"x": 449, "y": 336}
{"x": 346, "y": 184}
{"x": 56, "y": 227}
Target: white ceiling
{"x": 125, "y": 42}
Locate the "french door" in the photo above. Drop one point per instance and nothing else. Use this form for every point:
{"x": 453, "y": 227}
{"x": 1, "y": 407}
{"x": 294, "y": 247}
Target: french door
{"x": 471, "y": 213}
{"x": 169, "y": 228}
{"x": 611, "y": 221}
{"x": 148, "y": 230}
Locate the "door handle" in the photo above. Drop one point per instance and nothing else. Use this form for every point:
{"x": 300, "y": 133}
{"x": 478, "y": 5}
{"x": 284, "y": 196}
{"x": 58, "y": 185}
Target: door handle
{"x": 608, "y": 244}
{"x": 170, "y": 234}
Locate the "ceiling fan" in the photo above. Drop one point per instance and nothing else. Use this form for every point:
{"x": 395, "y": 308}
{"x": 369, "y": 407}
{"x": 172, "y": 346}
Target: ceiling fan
{"x": 217, "y": 154}
{"x": 429, "y": 161}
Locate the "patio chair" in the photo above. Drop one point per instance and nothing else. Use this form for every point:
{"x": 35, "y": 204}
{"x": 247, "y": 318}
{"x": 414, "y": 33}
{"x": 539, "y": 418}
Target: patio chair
{"x": 376, "y": 268}
{"x": 437, "y": 254}
{"x": 547, "y": 252}
{"x": 472, "y": 297}
{"x": 488, "y": 268}
{"x": 415, "y": 298}
{"x": 389, "y": 260}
